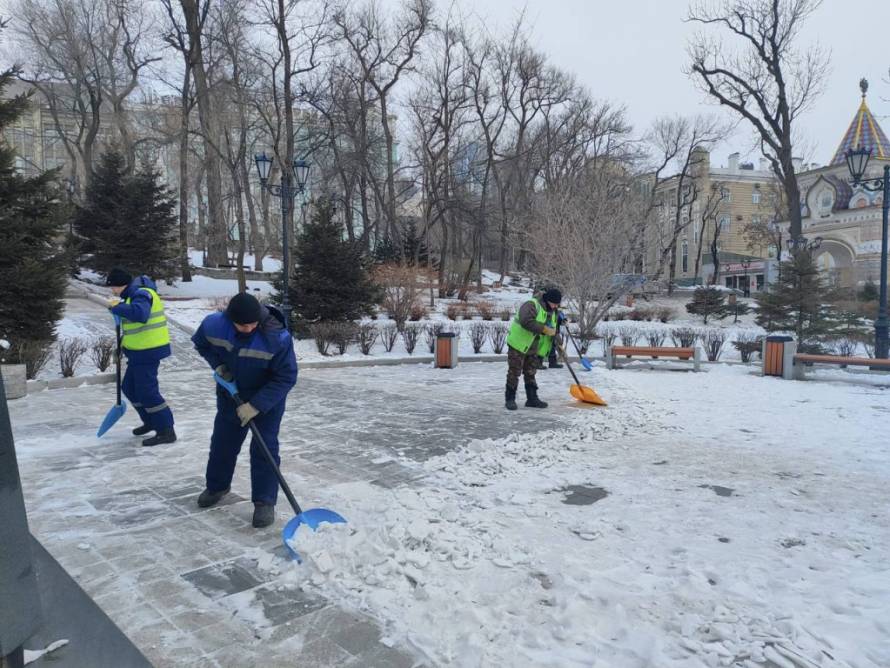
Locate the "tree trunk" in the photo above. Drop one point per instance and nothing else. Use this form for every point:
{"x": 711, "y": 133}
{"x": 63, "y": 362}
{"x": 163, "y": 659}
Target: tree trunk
{"x": 202, "y": 221}
{"x": 256, "y": 238}
{"x": 284, "y": 45}
{"x": 390, "y": 207}
{"x": 185, "y": 264}
{"x": 242, "y": 236}
{"x": 216, "y": 230}
{"x": 672, "y": 267}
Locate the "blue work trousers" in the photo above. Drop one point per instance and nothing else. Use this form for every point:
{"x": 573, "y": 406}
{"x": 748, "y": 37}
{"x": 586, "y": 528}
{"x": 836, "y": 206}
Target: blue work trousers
{"x": 225, "y": 444}
{"x": 140, "y": 386}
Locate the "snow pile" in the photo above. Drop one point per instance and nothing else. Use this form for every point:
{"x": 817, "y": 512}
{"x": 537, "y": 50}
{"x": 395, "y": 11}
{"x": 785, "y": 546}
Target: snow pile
{"x": 705, "y": 547}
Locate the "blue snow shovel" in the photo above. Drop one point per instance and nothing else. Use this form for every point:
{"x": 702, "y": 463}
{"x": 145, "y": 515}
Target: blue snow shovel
{"x": 311, "y": 518}
{"x": 586, "y": 363}
{"x": 115, "y": 412}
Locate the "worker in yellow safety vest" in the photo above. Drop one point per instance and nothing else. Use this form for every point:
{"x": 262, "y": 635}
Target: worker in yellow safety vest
{"x": 145, "y": 341}
{"x": 529, "y": 340}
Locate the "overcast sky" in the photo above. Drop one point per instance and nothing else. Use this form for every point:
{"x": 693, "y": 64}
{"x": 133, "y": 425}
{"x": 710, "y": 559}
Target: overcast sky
{"x": 634, "y": 52}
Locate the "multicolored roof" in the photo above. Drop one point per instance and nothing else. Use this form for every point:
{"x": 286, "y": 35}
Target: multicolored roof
{"x": 864, "y": 132}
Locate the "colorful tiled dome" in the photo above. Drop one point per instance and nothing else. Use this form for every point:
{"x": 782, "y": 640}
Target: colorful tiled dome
{"x": 864, "y": 132}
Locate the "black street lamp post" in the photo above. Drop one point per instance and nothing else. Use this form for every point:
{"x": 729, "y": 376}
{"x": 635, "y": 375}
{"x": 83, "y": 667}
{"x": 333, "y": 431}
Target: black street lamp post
{"x": 286, "y": 192}
{"x": 857, "y": 162}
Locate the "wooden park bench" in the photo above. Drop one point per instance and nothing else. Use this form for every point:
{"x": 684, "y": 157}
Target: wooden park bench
{"x": 613, "y": 354}
{"x": 803, "y": 361}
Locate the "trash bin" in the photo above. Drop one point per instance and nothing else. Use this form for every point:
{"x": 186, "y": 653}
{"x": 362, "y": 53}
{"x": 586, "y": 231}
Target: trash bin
{"x": 778, "y": 355}
{"x": 446, "y": 350}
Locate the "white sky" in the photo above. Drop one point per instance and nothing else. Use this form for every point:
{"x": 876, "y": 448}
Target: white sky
{"x": 634, "y": 52}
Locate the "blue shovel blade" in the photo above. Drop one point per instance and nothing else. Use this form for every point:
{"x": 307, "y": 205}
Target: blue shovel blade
{"x": 114, "y": 414}
{"x": 311, "y": 518}
{"x": 587, "y": 364}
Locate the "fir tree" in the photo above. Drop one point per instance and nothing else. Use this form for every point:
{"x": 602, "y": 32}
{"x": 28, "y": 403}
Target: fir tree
{"x": 869, "y": 292}
{"x": 32, "y": 263}
{"x": 386, "y": 251}
{"x": 798, "y": 302}
{"x": 330, "y": 282}
{"x": 709, "y": 303}
{"x": 414, "y": 250}
{"x": 127, "y": 221}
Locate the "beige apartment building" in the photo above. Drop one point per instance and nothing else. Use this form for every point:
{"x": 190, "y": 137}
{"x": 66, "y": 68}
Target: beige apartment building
{"x": 724, "y": 200}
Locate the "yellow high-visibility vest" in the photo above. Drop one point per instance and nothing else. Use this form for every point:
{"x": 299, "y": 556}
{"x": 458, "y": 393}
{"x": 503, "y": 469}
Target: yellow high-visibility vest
{"x": 521, "y": 339}
{"x": 150, "y": 334}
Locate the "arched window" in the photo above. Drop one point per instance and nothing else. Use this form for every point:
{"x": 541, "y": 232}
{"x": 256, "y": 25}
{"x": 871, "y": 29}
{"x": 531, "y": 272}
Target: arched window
{"x": 685, "y": 256}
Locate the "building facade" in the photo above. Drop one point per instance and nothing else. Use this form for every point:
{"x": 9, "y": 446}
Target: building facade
{"x": 847, "y": 218}
{"x": 720, "y": 204}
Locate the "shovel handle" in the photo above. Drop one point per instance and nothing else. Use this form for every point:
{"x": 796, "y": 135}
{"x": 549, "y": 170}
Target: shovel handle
{"x": 232, "y": 389}
{"x": 117, "y": 357}
{"x": 566, "y": 359}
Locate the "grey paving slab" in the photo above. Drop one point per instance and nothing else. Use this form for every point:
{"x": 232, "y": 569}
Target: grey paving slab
{"x": 281, "y": 605}
{"x": 223, "y": 579}
{"x": 186, "y": 583}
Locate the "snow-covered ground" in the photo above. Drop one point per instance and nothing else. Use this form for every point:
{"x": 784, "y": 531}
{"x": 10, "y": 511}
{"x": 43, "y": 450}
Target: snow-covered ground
{"x": 737, "y": 520}
{"x": 204, "y": 286}
{"x": 270, "y": 264}
{"x": 700, "y": 520}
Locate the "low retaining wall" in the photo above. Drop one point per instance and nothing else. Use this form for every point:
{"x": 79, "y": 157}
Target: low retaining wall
{"x": 231, "y": 274}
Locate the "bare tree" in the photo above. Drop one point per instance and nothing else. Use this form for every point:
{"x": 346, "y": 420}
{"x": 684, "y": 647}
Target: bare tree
{"x": 582, "y": 236}
{"x": 766, "y": 232}
{"x": 687, "y": 141}
{"x": 197, "y": 31}
{"x": 300, "y": 30}
{"x": 384, "y": 51}
{"x": 86, "y": 59}
{"x": 176, "y": 37}
{"x": 766, "y": 80}
{"x": 707, "y": 220}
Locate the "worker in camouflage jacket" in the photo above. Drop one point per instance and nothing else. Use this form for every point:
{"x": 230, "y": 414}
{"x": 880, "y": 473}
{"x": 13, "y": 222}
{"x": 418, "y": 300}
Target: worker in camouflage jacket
{"x": 529, "y": 340}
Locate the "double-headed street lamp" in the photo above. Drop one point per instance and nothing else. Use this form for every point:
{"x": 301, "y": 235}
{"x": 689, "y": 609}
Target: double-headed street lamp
{"x": 803, "y": 244}
{"x": 857, "y": 162}
{"x": 286, "y": 192}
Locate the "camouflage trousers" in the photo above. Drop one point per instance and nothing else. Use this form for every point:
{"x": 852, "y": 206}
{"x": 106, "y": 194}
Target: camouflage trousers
{"x": 521, "y": 365}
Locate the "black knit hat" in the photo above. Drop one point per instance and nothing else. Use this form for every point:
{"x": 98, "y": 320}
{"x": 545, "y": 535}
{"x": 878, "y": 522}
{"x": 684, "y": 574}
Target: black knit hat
{"x": 244, "y": 309}
{"x": 553, "y": 296}
{"x": 118, "y": 277}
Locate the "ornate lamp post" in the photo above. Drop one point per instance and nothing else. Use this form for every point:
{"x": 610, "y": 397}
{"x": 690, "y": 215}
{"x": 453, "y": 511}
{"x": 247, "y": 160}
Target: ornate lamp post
{"x": 857, "y": 162}
{"x": 286, "y": 192}
{"x": 803, "y": 244}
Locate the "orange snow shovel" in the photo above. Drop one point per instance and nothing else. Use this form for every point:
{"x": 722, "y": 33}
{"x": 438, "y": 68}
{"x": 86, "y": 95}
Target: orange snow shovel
{"x": 579, "y": 391}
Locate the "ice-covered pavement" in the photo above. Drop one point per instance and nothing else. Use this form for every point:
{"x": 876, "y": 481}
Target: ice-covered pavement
{"x": 712, "y": 519}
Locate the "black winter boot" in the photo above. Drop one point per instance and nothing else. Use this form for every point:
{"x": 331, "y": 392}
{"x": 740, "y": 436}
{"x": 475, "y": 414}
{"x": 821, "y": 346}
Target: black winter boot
{"x": 554, "y": 362}
{"x": 510, "y": 398}
{"x": 141, "y": 431}
{"x": 208, "y": 498}
{"x": 263, "y": 515}
{"x": 163, "y": 436}
{"x": 531, "y": 397}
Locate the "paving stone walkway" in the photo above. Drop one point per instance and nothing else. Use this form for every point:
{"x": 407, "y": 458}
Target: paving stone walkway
{"x": 197, "y": 587}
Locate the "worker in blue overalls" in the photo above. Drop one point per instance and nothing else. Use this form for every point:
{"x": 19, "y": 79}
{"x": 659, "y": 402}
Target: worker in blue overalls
{"x": 249, "y": 345}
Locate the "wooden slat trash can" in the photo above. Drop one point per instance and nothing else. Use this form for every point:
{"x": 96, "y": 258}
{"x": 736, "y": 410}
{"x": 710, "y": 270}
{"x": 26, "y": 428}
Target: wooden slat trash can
{"x": 446, "y": 350}
{"x": 775, "y": 354}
